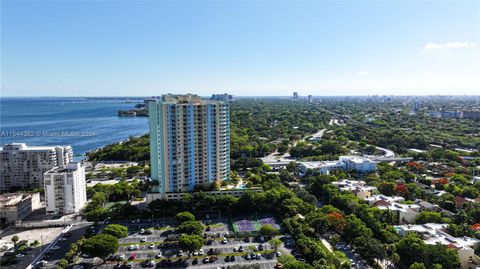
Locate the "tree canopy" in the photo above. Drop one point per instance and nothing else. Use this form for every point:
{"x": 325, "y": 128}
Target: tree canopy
{"x": 117, "y": 230}
{"x": 100, "y": 245}
{"x": 190, "y": 243}
{"x": 184, "y": 216}
{"x": 190, "y": 227}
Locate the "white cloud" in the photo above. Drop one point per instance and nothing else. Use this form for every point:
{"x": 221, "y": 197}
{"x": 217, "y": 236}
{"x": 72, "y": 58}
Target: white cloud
{"x": 449, "y": 45}
{"x": 361, "y": 73}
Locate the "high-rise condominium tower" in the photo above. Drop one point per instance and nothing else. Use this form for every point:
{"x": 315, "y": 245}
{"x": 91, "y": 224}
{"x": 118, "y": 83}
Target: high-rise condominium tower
{"x": 22, "y": 166}
{"x": 189, "y": 142}
{"x": 65, "y": 189}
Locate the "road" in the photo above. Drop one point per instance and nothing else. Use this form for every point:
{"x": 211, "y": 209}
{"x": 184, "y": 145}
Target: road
{"x": 356, "y": 260}
{"x": 52, "y": 256}
{"x": 285, "y": 158}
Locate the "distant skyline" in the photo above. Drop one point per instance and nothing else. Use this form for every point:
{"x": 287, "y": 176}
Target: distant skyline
{"x": 322, "y": 48}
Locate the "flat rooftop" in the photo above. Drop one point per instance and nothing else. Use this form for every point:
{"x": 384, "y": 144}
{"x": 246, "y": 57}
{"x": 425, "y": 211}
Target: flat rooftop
{"x": 11, "y": 199}
{"x": 434, "y": 233}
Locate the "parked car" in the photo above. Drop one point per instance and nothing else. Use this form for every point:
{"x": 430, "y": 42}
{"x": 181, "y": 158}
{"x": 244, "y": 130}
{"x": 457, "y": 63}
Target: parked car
{"x": 133, "y": 256}
{"x": 40, "y": 264}
{"x": 20, "y": 255}
{"x": 212, "y": 259}
{"x": 148, "y": 263}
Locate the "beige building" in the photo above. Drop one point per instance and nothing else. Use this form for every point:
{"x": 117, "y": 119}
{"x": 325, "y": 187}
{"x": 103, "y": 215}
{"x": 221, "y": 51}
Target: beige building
{"x": 65, "y": 189}
{"x": 435, "y": 233}
{"x": 358, "y": 187}
{"x": 16, "y": 206}
{"x": 22, "y": 166}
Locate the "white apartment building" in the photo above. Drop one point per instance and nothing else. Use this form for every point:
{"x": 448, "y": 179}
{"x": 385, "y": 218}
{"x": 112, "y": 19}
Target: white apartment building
{"x": 406, "y": 213}
{"x": 381, "y": 197}
{"x": 359, "y": 164}
{"x": 65, "y": 189}
{"x": 22, "y": 166}
{"x": 357, "y": 187}
{"x": 434, "y": 233}
{"x": 16, "y": 206}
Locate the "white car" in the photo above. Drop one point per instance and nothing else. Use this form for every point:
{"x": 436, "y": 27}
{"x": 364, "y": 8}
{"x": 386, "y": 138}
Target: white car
{"x": 143, "y": 239}
{"x": 159, "y": 255}
{"x": 131, "y": 247}
{"x": 41, "y": 263}
{"x": 152, "y": 245}
{"x": 224, "y": 241}
{"x": 121, "y": 257}
{"x": 200, "y": 252}
{"x": 278, "y": 253}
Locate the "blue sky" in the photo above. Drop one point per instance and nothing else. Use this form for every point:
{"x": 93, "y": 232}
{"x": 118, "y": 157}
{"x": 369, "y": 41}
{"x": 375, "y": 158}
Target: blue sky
{"x": 125, "y": 48}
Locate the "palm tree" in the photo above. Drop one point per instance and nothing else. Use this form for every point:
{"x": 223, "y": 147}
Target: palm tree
{"x": 15, "y": 239}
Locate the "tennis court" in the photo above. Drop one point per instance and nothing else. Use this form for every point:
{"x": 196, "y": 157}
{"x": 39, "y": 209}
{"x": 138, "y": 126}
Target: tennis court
{"x": 246, "y": 225}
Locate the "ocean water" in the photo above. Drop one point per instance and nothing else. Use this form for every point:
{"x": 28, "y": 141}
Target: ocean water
{"x": 83, "y": 123}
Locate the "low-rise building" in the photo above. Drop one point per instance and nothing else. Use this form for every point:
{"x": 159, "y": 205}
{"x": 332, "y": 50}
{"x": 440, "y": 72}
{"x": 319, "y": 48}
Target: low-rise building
{"x": 16, "y": 206}
{"x": 323, "y": 167}
{"x": 358, "y": 187}
{"x": 65, "y": 189}
{"x": 406, "y": 213}
{"x": 427, "y": 206}
{"x": 359, "y": 164}
{"x": 381, "y": 197}
{"x": 434, "y": 233}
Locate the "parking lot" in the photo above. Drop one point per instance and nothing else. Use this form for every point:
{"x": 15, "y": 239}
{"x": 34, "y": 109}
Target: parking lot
{"x": 156, "y": 241}
{"x": 45, "y": 236}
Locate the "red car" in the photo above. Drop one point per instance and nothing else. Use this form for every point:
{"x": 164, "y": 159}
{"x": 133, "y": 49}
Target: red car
{"x": 133, "y": 256}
